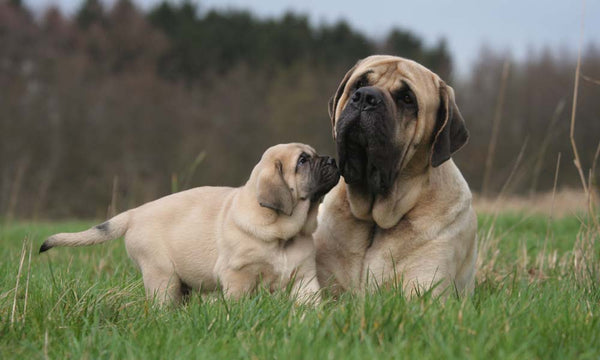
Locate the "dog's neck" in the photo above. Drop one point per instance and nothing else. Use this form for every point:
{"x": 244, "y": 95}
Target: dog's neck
{"x": 412, "y": 193}
{"x": 387, "y": 210}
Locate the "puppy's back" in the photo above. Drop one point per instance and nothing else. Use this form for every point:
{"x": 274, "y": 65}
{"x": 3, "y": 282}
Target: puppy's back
{"x": 184, "y": 226}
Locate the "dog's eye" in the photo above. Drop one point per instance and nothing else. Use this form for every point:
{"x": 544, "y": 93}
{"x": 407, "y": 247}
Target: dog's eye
{"x": 406, "y": 98}
{"x": 360, "y": 83}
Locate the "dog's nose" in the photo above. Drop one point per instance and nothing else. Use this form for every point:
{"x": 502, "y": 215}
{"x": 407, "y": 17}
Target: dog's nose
{"x": 330, "y": 161}
{"x": 366, "y": 98}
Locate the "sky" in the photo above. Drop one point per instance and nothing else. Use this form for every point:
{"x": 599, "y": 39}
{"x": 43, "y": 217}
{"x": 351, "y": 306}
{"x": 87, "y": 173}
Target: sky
{"x": 517, "y": 26}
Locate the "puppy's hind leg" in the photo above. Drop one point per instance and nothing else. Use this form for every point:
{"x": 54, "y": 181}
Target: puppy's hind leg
{"x": 162, "y": 285}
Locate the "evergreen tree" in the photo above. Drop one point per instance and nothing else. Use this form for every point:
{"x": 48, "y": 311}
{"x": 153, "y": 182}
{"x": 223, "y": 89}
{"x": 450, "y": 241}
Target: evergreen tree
{"x": 91, "y": 12}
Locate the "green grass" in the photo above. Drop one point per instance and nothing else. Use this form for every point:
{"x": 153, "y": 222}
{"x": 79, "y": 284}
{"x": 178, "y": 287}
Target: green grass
{"x": 89, "y": 303}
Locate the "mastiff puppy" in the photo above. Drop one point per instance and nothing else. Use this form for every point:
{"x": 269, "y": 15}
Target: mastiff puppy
{"x": 235, "y": 237}
{"x": 402, "y": 213}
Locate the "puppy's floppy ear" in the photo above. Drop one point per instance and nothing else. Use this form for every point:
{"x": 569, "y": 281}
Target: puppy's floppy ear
{"x": 273, "y": 191}
{"x": 450, "y": 130}
{"x": 333, "y": 101}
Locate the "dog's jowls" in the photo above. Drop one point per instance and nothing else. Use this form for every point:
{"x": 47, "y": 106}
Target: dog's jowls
{"x": 235, "y": 237}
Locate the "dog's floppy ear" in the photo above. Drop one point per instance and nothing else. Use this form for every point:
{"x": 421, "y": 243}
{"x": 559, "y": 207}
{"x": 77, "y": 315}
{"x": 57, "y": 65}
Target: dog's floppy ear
{"x": 273, "y": 191}
{"x": 333, "y": 101}
{"x": 450, "y": 130}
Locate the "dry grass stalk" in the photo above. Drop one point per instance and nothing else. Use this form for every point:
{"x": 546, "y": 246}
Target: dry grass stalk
{"x": 542, "y": 254}
{"x": 27, "y": 282}
{"x": 192, "y": 170}
{"x": 489, "y": 161}
{"x": 592, "y": 196}
{"x": 46, "y": 345}
{"x": 508, "y": 182}
{"x": 490, "y": 242}
{"x": 14, "y": 307}
{"x": 496, "y": 210}
{"x": 576, "y": 159}
{"x": 537, "y": 169}
{"x": 551, "y": 217}
{"x": 15, "y": 189}
{"x": 594, "y": 162}
{"x": 112, "y": 208}
{"x": 584, "y": 258}
{"x": 592, "y": 80}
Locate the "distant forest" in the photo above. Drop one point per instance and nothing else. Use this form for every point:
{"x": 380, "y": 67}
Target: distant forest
{"x": 113, "y": 107}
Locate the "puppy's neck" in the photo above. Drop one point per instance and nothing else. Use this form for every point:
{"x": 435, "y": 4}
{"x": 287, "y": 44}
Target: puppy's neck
{"x": 265, "y": 223}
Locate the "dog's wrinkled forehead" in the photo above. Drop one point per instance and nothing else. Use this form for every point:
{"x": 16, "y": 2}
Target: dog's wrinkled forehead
{"x": 391, "y": 73}
{"x": 395, "y": 68}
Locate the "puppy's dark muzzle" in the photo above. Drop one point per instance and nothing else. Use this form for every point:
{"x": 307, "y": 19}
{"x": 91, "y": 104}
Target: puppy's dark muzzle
{"x": 330, "y": 162}
{"x": 326, "y": 175}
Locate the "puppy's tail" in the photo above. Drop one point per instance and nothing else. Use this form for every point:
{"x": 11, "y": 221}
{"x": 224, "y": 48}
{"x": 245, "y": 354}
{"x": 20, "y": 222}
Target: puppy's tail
{"x": 109, "y": 230}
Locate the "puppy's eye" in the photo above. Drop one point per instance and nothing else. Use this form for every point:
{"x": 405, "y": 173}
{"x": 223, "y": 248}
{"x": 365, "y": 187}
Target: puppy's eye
{"x": 360, "y": 83}
{"x": 302, "y": 159}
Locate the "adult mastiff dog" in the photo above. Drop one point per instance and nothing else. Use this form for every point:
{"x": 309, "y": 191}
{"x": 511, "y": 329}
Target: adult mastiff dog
{"x": 402, "y": 213}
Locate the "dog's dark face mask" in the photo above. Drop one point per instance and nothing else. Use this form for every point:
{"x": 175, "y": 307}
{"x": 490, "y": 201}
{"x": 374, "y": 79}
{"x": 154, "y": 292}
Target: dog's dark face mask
{"x": 377, "y": 129}
{"x": 366, "y": 144}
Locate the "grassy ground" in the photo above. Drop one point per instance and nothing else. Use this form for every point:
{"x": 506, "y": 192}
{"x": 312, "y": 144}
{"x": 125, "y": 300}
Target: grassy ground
{"x": 537, "y": 296}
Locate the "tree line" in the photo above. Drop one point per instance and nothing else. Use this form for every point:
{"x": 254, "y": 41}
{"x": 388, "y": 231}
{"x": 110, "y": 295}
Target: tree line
{"x": 116, "y": 106}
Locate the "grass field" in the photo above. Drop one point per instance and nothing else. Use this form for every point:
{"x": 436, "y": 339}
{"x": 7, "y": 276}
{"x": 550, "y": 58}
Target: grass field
{"x": 537, "y": 297}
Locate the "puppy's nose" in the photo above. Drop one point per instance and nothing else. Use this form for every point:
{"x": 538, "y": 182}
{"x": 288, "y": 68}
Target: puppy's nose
{"x": 330, "y": 161}
{"x": 366, "y": 98}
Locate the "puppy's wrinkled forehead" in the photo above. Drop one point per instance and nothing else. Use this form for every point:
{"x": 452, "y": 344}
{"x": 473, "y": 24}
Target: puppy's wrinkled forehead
{"x": 287, "y": 152}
